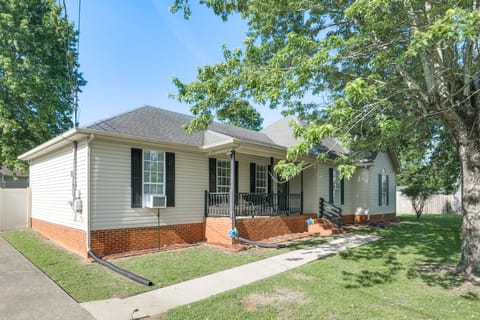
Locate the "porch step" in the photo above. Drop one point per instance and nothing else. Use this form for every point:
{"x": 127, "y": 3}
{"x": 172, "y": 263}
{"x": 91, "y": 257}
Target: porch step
{"x": 324, "y": 227}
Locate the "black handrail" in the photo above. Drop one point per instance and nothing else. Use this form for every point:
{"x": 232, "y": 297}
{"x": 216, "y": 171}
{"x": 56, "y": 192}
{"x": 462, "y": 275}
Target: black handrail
{"x": 330, "y": 211}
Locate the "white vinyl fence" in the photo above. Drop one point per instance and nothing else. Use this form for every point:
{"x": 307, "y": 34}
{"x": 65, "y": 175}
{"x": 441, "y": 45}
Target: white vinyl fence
{"x": 14, "y": 208}
{"x": 437, "y": 204}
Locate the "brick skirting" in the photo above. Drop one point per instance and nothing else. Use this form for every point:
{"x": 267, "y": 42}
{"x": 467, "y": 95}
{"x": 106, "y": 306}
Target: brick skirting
{"x": 107, "y": 242}
{"x": 362, "y": 218}
{"x": 70, "y": 238}
{"x": 258, "y": 228}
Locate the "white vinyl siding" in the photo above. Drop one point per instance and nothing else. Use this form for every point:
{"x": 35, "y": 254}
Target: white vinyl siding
{"x": 360, "y": 191}
{"x": 244, "y": 161}
{"x": 51, "y": 185}
{"x": 382, "y": 162}
{"x": 323, "y": 188}
{"x": 310, "y": 195}
{"x": 322, "y": 183}
{"x": 111, "y": 188}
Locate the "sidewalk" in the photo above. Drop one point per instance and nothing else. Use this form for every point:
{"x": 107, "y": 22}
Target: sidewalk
{"x": 27, "y": 293}
{"x": 163, "y": 299}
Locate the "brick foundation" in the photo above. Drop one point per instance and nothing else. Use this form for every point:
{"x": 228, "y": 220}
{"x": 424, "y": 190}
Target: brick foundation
{"x": 73, "y": 239}
{"x": 107, "y": 242}
{"x": 362, "y": 219}
{"x": 258, "y": 228}
{"x": 216, "y": 230}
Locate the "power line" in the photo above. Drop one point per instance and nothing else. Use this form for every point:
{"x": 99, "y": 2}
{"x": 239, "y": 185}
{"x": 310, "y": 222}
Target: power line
{"x": 72, "y": 76}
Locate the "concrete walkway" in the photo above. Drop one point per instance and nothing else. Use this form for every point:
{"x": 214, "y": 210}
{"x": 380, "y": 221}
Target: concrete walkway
{"x": 27, "y": 293}
{"x": 163, "y": 299}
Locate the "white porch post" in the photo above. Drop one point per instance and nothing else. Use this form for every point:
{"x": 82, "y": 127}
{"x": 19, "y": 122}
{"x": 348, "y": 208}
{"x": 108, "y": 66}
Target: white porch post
{"x": 231, "y": 154}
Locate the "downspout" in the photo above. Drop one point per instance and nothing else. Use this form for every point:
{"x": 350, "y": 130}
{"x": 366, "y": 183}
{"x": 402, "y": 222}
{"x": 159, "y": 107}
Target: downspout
{"x": 89, "y": 196}
{"x": 90, "y": 253}
{"x": 231, "y": 154}
{"x": 74, "y": 175}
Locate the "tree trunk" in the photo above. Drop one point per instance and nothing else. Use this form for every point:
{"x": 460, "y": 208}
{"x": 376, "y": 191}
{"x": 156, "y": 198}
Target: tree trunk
{"x": 469, "y": 153}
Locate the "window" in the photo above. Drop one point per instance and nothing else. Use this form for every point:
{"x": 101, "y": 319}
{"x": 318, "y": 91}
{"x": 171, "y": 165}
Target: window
{"x": 383, "y": 188}
{"x": 153, "y": 173}
{"x": 223, "y": 176}
{"x": 337, "y": 188}
{"x": 261, "y": 179}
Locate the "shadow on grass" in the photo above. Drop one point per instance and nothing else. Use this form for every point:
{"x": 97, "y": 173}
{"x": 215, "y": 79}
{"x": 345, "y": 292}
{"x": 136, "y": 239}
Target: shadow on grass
{"x": 423, "y": 248}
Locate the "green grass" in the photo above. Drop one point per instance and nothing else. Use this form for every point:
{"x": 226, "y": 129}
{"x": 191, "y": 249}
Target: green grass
{"x": 86, "y": 281}
{"x": 403, "y": 276}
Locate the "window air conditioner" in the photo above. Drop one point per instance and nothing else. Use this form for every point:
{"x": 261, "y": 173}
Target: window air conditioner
{"x": 156, "y": 201}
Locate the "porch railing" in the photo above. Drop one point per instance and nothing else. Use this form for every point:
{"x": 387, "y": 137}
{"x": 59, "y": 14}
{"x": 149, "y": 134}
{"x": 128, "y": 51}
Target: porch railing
{"x": 252, "y": 204}
{"x": 330, "y": 211}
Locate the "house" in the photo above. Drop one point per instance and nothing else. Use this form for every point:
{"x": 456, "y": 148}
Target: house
{"x": 94, "y": 187}
{"x": 9, "y": 180}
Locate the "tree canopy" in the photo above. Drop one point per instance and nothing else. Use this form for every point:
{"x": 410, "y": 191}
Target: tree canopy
{"x": 38, "y": 72}
{"x": 376, "y": 74}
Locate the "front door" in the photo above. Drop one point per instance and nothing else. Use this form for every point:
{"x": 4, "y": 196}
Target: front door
{"x": 283, "y": 191}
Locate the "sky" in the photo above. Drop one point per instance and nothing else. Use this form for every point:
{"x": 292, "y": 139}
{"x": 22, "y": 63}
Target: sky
{"x": 130, "y": 50}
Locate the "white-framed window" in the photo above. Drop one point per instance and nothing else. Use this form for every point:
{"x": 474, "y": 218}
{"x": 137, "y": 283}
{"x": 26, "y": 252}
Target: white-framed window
{"x": 261, "y": 178}
{"x": 223, "y": 176}
{"x": 383, "y": 188}
{"x": 153, "y": 173}
{"x": 337, "y": 188}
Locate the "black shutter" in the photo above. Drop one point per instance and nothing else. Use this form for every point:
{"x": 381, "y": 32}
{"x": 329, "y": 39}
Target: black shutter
{"x": 342, "y": 191}
{"x": 379, "y": 189}
{"x": 387, "y": 192}
{"x": 330, "y": 185}
{"x": 170, "y": 178}
{"x": 253, "y": 168}
{"x": 236, "y": 177}
{"x": 269, "y": 179}
{"x": 212, "y": 175}
{"x": 136, "y": 177}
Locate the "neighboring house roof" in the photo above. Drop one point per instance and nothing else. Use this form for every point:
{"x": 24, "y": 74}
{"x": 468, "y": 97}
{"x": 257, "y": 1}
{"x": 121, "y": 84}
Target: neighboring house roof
{"x": 10, "y": 180}
{"x": 281, "y": 132}
{"x": 4, "y": 171}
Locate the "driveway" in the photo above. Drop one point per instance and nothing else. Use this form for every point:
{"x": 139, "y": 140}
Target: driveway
{"x": 27, "y": 293}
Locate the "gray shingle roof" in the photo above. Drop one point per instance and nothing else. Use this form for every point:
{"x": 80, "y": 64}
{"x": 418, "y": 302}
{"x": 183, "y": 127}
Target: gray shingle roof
{"x": 163, "y": 125}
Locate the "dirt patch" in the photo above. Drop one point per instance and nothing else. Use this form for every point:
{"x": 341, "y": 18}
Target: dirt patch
{"x": 282, "y": 299}
{"x": 469, "y": 290}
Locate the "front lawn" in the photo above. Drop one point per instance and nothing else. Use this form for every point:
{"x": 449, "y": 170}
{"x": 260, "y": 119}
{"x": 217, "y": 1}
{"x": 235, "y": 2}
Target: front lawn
{"x": 86, "y": 281}
{"x": 406, "y": 275}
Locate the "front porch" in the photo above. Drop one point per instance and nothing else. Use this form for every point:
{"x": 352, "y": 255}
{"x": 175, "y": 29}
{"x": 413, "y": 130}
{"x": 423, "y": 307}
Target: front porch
{"x": 262, "y": 216}
{"x": 253, "y": 204}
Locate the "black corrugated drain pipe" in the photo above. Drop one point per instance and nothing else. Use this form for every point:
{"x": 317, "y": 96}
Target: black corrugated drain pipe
{"x": 123, "y": 272}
